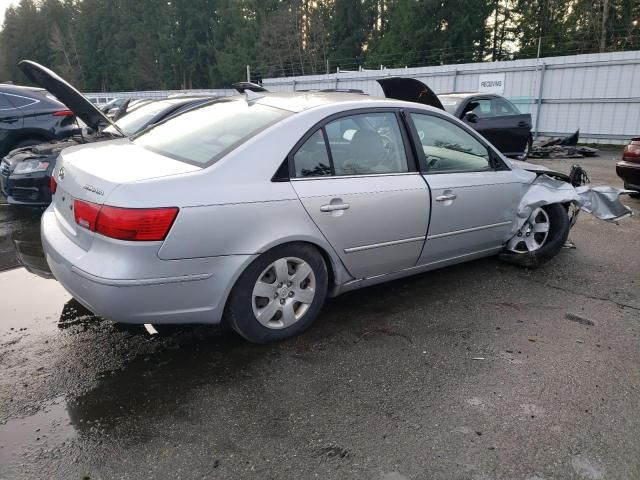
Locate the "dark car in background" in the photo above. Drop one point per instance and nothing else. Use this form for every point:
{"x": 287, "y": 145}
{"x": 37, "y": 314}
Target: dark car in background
{"x": 25, "y": 173}
{"x": 629, "y": 168}
{"x": 495, "y": 118}
{"x": 29, "y": 116}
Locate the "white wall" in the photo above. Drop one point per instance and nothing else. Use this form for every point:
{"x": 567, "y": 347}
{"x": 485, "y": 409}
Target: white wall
{"x": 597, "y": 93}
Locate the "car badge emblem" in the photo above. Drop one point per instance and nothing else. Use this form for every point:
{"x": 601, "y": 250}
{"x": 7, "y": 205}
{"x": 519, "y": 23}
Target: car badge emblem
{"x": 61, "y": 174}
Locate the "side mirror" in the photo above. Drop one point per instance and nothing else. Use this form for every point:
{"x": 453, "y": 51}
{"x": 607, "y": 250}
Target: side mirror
{"x": 470, "y": 117}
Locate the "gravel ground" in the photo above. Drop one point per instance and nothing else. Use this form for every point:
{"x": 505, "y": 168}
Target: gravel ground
{"x": 478, "y": 371}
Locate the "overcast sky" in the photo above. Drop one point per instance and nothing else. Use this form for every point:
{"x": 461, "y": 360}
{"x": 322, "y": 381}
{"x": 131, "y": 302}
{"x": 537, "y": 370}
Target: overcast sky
{"x": 3, "y": 6}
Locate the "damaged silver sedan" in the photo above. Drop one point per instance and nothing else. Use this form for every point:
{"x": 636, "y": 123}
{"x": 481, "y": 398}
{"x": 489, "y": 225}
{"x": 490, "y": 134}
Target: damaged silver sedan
{"x": 253, "y": 209}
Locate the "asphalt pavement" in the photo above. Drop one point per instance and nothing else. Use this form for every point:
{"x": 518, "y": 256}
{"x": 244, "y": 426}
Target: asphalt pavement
{"x": 479, "y": 371}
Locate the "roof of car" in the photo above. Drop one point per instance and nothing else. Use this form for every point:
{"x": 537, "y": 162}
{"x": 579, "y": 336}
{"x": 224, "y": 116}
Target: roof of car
{"x": 465, "y": 94}
{"x": 300, "y": 101}
{"x": 20, "y": 89}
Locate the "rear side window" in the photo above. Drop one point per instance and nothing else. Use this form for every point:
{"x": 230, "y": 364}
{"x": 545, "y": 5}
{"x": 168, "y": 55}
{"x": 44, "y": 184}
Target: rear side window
{"x": 362, "y": 144}
{"x": 312, "y": 159}
{"x": 4, "y": 102}
{"x": 204, "y": 135}
{"x": 21, "y": 102}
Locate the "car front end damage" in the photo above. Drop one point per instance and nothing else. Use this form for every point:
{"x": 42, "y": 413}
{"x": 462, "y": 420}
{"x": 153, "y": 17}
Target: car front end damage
{"x": 556, "y": 188}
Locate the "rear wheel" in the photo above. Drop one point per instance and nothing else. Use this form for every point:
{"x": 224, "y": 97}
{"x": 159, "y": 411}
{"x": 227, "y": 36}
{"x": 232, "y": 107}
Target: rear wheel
{"x": 279, "y": 295}
{"x": 540, "y": 238}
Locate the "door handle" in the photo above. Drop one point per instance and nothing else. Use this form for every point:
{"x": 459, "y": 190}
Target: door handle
{"x": 9, "y": 119}
{"x": 523, "y": 124}
{"x": 444, "y": 198}
{"x": 332, "y": 207}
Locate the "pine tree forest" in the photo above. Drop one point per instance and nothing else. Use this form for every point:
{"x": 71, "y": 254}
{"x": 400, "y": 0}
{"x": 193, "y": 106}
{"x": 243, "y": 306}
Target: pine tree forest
{"x": 112, "y": 45}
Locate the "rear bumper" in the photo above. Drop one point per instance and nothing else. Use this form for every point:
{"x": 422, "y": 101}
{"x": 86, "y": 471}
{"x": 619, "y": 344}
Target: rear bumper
{"x": 29, "y": 190}
{"x": 630, "y": 173}
{"x": 182, "y": 297}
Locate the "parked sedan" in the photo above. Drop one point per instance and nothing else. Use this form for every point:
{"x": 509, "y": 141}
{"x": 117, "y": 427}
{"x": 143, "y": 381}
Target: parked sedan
{"x": 29, "y": 116}
{"x": 629, "y": 168}
{"x": 252, "y": 209}
{"x": 496, "y": 118}
{"x": 25, "y": 174}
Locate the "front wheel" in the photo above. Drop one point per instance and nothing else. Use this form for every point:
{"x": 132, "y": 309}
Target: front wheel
{"x": 279, "y": 295}
{"x": 540, "y": 238}
{"x": 527, "y": 150}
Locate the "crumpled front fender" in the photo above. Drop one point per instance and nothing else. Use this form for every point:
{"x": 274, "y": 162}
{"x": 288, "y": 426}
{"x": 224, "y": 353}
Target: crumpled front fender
{"x": 601, "y": 202}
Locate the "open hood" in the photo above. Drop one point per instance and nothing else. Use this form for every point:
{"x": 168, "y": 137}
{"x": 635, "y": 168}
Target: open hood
{"x": 72, "y": 98}
{"x": 409, "y": 90}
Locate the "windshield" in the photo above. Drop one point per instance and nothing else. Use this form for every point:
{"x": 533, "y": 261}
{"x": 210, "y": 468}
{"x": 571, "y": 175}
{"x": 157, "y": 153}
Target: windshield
{"x": 136, "y": 120}
{"x": 450, "y": 104}
{"x": 202, "y": 136}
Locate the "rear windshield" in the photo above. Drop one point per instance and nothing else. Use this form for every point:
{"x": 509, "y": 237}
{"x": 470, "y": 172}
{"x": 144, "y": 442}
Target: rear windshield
{"x": 204, "y": 135}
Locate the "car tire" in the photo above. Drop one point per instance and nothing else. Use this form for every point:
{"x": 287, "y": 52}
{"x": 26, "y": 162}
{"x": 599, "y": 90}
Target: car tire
{"x": 279, "y": 294}
{"x": 528, "y": 146}
{"x": 558, "y": 232}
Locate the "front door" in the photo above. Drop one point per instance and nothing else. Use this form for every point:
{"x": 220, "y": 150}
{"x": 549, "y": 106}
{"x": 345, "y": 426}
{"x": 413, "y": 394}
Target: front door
{"x": 474, "y": 199}
{"x": 358, "y": 184}
{"x": 500, "y": 122}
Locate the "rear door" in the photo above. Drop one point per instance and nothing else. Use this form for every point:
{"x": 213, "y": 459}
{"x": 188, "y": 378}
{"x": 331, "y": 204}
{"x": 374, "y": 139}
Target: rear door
{"x": 359, "y": 183}
{"x": 500, "y": 122}
{"x": 474, "y": 195}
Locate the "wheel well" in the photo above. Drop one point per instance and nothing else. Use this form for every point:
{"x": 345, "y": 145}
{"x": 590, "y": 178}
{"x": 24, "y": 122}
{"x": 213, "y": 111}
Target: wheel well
{"x": 325, "y": 255}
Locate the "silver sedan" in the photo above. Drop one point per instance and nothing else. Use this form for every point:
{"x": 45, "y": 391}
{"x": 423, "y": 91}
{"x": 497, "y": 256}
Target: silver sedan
{"x": 253, "y": 209}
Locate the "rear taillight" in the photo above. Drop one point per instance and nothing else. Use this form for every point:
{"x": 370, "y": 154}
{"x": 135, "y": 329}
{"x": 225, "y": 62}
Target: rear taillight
{"x": 136, "y": 224}
{"x": 53, "y": 185}
{"x": 86, "y": 214}
{"x": 63, "y": 113}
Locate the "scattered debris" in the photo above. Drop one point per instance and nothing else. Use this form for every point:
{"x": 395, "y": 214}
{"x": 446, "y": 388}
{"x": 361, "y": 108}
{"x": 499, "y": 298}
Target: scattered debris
{"x": 478, "y": 358}
{"x": 531, "y": 339}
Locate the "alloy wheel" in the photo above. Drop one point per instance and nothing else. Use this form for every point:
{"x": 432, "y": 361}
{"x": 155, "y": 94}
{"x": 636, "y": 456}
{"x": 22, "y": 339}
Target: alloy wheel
{"x": 283, "y": 292}
{"x": 533, "y": 234}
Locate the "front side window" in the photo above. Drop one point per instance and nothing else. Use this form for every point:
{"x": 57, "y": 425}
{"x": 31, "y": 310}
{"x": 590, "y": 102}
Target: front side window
{"x": 447, "y": 147}
{"x": 501, "y": 106}
{"x": 204, "y": 135}
{"x": 481, "y": 107}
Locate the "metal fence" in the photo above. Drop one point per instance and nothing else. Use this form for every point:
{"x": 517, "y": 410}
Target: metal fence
{"x": 596, "y": 93}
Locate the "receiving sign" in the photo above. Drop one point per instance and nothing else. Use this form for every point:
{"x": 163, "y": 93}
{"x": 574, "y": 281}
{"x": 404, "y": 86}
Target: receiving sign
{"x": 491, "y": 83}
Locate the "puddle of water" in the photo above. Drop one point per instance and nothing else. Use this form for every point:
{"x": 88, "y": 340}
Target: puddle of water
{"x": 47, "y": 429}
{"x": 29, "y": 301}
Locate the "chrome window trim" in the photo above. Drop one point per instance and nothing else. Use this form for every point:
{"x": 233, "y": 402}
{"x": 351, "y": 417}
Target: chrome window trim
{"x": 362, "y": 175}
{"x": 468, "y": 230}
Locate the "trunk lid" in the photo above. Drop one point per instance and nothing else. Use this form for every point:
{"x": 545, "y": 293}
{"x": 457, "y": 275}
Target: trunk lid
{"x": 67, "y": 94}
{"x": 409, "y": 90}
{"x": 91, "y": 172}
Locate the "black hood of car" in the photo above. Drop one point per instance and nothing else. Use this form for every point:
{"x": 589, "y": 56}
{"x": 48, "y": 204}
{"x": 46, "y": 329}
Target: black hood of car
{"x": 409, "y": 90}
{"x": 67, "y": 94}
